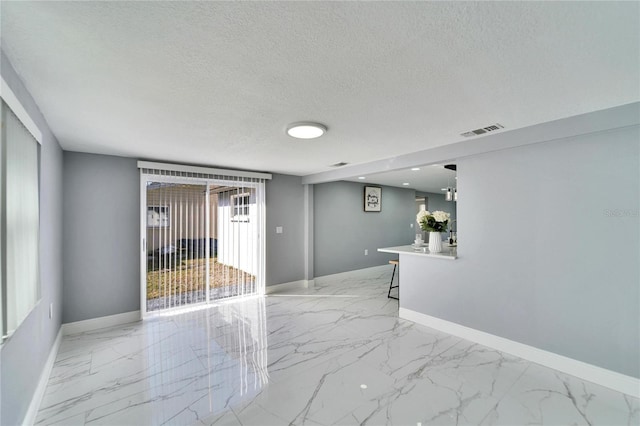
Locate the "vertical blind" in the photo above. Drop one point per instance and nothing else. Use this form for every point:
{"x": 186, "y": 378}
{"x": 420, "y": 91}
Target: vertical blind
{"x": 178, "y": 249}
{"x": 202, "y": 235}
{"x": 20, "y": 221}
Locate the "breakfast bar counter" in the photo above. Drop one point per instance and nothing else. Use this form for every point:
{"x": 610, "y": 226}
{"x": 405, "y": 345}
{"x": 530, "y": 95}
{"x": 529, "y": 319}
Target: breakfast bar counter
{"x": 448, "y": 252}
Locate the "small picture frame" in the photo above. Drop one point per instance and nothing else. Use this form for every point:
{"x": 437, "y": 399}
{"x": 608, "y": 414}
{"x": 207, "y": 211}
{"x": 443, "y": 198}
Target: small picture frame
{"x": 372, "y": 199}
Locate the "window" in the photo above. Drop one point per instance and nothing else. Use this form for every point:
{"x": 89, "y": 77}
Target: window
{"x": 240, "y": 204}
{"x": 19, "y": 221}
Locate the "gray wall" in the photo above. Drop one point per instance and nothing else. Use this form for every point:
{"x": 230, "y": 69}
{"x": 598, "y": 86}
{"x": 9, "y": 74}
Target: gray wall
{"x": 23, "y": 356}
{"x": 343, "y": 230}
{"x": 437, "y": 202}
{"x": 549, "y": 248}
{"x": 102, "y": 230}
{"x": 101, "y": 236}
{"x": 285, "y": 252}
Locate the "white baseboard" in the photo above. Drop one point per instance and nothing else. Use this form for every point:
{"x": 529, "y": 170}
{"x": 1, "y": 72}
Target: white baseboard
{"x": 101, "y": 322}
{"x": 591, "y": 373}
{"x": 34, "y": 406}
{"x": 293, "y": 285}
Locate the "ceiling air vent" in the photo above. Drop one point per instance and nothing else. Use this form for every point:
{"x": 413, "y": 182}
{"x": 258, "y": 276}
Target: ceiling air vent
{"x": 340, "y": 164}
{"x": 482, "y": 131}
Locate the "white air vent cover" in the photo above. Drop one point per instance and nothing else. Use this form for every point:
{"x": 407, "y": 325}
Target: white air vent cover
{"x": 482, "y": 131}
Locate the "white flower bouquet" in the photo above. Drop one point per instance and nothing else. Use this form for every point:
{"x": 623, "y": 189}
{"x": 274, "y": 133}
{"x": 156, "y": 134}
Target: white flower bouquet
{"x": 433, "y": 222}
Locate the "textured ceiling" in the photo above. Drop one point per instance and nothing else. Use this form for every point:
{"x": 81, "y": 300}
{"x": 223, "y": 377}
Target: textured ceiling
{"x": 216, "y": 83}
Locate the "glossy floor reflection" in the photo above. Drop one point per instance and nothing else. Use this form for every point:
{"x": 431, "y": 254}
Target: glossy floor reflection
{"x": 334, "y": 354}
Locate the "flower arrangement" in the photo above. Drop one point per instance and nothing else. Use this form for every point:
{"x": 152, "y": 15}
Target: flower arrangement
{"x": 433, "y": 222}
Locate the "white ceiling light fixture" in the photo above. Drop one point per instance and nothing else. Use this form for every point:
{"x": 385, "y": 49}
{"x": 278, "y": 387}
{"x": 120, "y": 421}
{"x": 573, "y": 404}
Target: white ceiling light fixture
{"x": 306, "y": 130}
{"x": 405, "y": 184}
{"x": 415, "y": 169}
{"x": 361, "y": 177}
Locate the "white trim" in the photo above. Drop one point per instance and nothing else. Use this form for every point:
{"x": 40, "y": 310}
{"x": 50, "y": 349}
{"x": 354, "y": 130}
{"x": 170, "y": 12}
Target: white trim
{"x": 18, "y": 109}
{"x": 203, "y": 170}
{"x": 601, "y": 376}
{"x": 101, "y": 322}
{"x": 143, "y": 246}
{"x": 308, "y": 232}
{"x": 293, "y": 285}
{"x": 261, "y": 203}
{"x": 36, "y": 400}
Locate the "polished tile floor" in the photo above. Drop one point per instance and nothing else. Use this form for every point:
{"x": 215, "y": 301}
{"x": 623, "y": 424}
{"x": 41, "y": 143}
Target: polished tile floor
{"x": 334, "y": 354}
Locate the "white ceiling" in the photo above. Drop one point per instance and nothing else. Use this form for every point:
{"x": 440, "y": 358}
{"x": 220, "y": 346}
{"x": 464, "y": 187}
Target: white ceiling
{"x": 431, "y": 178}
{"x": 216, "y": 83}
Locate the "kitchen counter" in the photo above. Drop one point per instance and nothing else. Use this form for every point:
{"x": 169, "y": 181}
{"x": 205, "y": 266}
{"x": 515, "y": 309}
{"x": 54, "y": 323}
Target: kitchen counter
{"x": 448, "y": 253}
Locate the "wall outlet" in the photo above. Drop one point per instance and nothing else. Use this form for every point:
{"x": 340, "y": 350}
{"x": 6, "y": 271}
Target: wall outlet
{"x": 411, "y": 225}
{"x": 278, "y": 229}
{"x": 50, "y": 310}
{"x": 366, "y": 252}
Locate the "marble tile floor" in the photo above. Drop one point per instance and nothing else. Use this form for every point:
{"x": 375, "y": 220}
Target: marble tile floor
{"x": 335, "y": 354}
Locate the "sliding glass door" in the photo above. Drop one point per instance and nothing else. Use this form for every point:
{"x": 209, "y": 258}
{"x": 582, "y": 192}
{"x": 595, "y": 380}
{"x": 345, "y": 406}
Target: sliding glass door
{"x": 201, "y": 239}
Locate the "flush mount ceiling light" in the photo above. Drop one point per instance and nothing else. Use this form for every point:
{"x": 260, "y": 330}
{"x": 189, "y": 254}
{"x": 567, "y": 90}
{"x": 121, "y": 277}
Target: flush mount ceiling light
{"x": 306, "y": 130}
{"x": 361, "y": 177}
{"x": 415, "y": 169}
{"x": 405, "y": 184}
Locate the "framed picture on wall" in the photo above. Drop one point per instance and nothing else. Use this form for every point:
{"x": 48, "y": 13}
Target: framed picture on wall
{"x": 372, "y": 199}
{"x": 157, "y": 216}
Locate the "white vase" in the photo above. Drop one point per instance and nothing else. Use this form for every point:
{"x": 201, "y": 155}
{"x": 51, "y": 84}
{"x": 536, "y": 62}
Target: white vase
{"x": 435, "y": 242}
